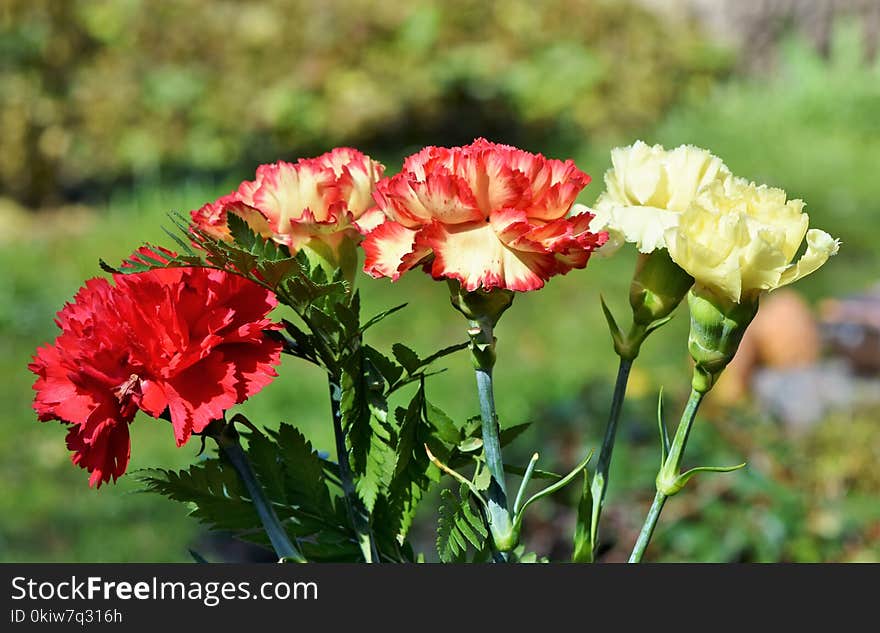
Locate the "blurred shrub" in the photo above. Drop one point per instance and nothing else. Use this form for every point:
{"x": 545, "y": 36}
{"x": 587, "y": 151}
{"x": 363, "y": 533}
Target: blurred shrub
{"x": 99, "y": 90}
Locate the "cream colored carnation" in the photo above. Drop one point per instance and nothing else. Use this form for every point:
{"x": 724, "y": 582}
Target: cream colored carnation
{"x": 739, "y": 239}
{"x": 647, "y": 189}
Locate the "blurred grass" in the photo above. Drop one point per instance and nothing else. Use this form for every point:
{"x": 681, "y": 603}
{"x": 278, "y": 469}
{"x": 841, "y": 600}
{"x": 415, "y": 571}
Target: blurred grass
{"x": 811, "y": 129}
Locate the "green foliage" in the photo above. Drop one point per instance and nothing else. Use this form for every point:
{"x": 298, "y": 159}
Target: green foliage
{"x": 582, "y": 552}
{"x": 459, "y": 525}
{"x": 98, "y": 92}
{"x": 292, "y": 474}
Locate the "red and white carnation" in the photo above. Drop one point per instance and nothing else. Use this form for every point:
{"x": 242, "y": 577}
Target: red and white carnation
{"x": 315, "y": 202}
{"x": 487, "y": 215}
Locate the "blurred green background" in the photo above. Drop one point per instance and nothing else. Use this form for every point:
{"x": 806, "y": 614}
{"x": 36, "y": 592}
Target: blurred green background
{"x": 113, "y": 113}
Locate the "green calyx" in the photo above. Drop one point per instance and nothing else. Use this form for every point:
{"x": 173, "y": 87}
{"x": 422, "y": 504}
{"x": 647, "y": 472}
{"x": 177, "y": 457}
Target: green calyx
{"x": 483, "y": 309}
{"x": 341, "y": 255}
{"x": 658, "y": 286}
{"x": 628, "y": 345}
{"x": 717, "y": 327}
{"x": 480, "y": 305}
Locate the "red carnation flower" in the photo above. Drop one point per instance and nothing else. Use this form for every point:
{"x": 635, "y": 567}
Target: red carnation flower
{"x": 189, "y": 341}
{"x": 487, "y": 215}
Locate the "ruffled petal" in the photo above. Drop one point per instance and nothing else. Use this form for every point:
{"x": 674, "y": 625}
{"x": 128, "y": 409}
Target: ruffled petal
{"x": 444, "y": 197}
{"x": 475, "y": 256}
{"x": 200, "y": 395}
{"x": 643, "y": 226}
{"x": 391, "y": 250}
{"x": 820, "y": 247}
{"x": 369, "y": 220}
{"x": 192, "y": 340}
{"x": 715, "y": 261}
{"x": 287, "y": 190}
{"x": 102, "y": 447}
{"x": 492, "y": 215}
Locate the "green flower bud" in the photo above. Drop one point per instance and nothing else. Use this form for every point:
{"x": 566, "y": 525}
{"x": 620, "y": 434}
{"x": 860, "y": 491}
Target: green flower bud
{"x": 658, "y": 286}
{"x": 717, "y": 327}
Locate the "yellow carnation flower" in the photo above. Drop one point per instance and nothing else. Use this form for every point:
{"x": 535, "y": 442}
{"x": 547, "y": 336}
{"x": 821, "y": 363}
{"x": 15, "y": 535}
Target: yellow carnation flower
{"x": 739, "y": 239}
{"x": 647, "y": 189}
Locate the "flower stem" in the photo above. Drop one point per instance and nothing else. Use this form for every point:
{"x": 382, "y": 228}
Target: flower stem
{"x": 483, "y": 356}
{"x": 281, "y": 543}
{"x": 668, "y": 479}
{"x": 599, "y": 485}
{"x": 355, "y": 516}
{"x": 648, "y": 528}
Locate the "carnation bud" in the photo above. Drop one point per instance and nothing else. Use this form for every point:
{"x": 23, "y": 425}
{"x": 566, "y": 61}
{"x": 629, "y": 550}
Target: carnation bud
{"x": 717, "y": 327}
{"x": 658, "y": 286}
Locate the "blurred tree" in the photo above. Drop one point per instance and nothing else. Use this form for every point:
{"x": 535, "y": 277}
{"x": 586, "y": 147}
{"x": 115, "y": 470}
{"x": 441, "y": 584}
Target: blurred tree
{"x": 98, "y": 90}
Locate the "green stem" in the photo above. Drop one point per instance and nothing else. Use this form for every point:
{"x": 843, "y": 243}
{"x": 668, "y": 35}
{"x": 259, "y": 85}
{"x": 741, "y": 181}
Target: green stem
{"x": 483, "y": 355}
{"x": 599, "y": 485}
{"x": 672, "y": 467}
{"x": 284, "y": 548}
{"x": 668, "y": 481}
{"x": 355, "y": 516}
{"x": 648, "y": 528}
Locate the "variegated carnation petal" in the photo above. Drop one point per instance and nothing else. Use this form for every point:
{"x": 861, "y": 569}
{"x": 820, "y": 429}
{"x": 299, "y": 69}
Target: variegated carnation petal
{"x": 391, "y": 250}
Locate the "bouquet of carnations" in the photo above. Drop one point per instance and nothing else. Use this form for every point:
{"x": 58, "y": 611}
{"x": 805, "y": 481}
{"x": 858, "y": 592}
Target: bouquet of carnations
{"x": 186, "y": 333}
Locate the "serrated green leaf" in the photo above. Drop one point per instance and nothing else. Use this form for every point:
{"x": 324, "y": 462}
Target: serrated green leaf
{"x": 324, "y": 326}
{"x": 458, "y": 526}
{"x": 388, "y": 369}
{"x": 448, "y": 548}
{"x": 407, "y": 358}
{"x": 347, "y": 317}
{"x": 364, "y": 410}
{"x": 411, "y": 473}
{"x": 303, "y": 469}
{"x": 217, "y": 497}
{"x": 275, "y": 272}
{"x": 475, "y": 521}
{"x": 443, "y": 425}
{"x": 376, "y": 475}
{"x": 291, "y": 473}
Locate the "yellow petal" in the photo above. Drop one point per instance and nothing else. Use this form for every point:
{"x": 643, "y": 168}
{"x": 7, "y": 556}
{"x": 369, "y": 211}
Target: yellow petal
{"x": 820, "y": 246}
